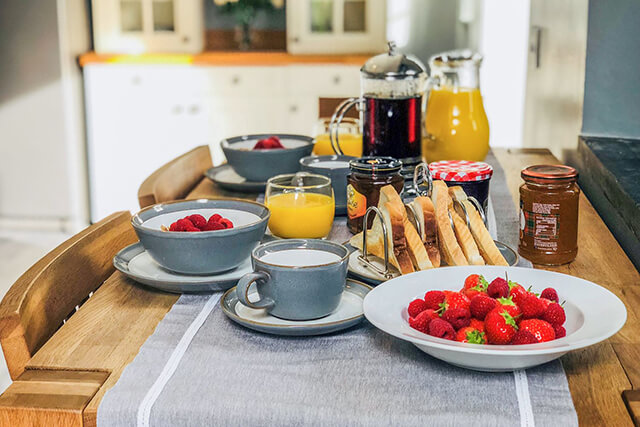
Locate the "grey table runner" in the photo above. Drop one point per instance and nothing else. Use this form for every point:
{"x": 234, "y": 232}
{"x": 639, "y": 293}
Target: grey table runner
{"x": 199, "y": 368}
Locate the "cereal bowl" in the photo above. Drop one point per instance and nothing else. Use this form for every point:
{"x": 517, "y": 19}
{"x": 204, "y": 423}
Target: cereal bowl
{"x": 204, "y": 252}
{"x": 260, "y": 165}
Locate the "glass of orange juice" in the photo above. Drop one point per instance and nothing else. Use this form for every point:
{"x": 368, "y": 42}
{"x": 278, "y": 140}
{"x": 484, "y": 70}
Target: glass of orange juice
{"x": 349, "y": 137}
{"x": 302, "y": 205}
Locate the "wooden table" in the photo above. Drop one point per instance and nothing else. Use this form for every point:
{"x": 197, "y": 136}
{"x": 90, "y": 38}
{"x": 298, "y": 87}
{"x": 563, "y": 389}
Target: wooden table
{"x": 67, "y": 378}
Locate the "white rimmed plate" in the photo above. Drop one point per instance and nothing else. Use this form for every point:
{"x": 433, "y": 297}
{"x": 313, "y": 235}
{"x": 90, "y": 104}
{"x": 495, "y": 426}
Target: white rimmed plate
{"x": 593, "y": 315}
{"x": 136, "y": 263}
{"x": 348, "y": 314}
{"x": 227, "y": 178}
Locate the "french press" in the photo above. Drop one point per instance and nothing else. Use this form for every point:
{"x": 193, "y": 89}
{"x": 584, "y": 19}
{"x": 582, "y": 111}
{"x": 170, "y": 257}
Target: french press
{"x": 391, "y": 109}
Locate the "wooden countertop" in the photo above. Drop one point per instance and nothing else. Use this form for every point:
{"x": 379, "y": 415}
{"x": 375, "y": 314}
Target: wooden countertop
{"x": 87, "y": 355}
{"x": 218, "y": 58}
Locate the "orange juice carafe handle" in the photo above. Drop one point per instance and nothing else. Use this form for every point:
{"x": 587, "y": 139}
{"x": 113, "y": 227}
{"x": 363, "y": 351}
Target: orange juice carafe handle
{"x": 336, "y": 119}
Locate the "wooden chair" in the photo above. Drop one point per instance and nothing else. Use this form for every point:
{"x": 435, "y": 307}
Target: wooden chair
{"x": 175, "y": 179}
{"x": 327, "y": 106}
{"x": 46, "y": 295}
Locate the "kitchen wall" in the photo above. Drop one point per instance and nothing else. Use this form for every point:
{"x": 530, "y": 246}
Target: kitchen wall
{"x": 42, "y": 181}
{"x": 611, "y": 97}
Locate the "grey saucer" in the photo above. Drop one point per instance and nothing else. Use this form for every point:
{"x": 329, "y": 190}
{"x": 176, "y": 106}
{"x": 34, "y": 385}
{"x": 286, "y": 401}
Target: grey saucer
{"x": 137, "y": 264}
{"x": 227, "y": 178}
{"x": 348, "y": 313}
{"x": 362, "y": 272}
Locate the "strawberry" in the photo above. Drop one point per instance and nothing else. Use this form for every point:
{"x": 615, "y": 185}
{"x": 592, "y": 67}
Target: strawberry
{"x": 510, "y": 306}
{"x": 560, "y": 331}
{"x": 433, "y": 299}
{"x": 416, "y": 307}
{"x": 474, "y": 285}
{"x": 542, "y": 330}
{"x": 523, "y": 337}
{"x": 500, "y": 326}
{"x": 550, "y": 294}
{"x": 471, "y": 335}
{"x": 197, "y": 220}
{"x": 422, "y": 320}
{"x": 441, "y": 329}
{"x": 532, "y": 307}
{"x": 516, "y": 291}
{"x": 545, "y": 303}
{"x": 477, "y": 324}
{"x": 458, "y": 317}
{"x": 554, "y": 314}
{"x": 498, "y": 288}
{"x": 454, "y": 300}
{"x": 481, "y": 305}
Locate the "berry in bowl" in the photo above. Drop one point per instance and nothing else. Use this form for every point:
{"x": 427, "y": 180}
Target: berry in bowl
{"x": 476, "y": 318}
{"x": 259, "y": 157}
{"x": 204, "y": 236}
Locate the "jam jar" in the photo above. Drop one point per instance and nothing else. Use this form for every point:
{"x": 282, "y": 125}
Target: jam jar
{"x": 367, "y": 176}
{"x": 473, "y": 177}
{"x": 549, "y": 214}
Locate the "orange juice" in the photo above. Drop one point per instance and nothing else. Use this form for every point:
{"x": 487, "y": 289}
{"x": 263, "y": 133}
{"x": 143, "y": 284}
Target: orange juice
{"x": 456, "y": 126}
{"x": 301, "y": 215}
{"x": 350, "y": 143}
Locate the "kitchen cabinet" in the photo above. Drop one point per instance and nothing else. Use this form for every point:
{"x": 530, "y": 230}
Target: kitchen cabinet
{"x": 140, "y": 116}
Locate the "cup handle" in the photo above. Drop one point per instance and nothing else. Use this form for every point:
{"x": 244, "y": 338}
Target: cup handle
{"x": 242, "y": 290}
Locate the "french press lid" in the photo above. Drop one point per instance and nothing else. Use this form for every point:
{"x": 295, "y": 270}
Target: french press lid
{"x": 392, "y": 65}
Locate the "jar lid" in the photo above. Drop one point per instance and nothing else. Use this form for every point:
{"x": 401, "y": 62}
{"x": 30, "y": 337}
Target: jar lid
{"x": 460, "y": 170}
{"x": 549, "y": 172}
{"x": 374, "y": 165}
{"x": 393, "y": 65}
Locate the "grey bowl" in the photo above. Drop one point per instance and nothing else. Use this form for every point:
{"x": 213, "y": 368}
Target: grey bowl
{"x": 204, "y": 252}
{"x": 260, "y": 165}
{"x": 338, "y": 176}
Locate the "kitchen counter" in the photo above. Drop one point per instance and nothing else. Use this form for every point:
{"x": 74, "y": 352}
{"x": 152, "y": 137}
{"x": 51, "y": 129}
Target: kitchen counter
{"x": 221, "y": 58}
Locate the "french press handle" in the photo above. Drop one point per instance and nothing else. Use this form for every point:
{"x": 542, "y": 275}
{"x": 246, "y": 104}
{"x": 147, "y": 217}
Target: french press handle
{"x": 336, "y": 119}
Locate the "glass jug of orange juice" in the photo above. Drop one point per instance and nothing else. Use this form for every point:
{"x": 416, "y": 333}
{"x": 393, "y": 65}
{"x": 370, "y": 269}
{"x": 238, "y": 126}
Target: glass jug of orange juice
{"x": 456, "y": 124}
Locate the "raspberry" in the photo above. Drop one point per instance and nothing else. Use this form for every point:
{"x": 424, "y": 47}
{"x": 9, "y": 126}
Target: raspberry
{"x": 554, "y": 314}
{"x": 215, "y": 218}
{"x": 422, "y": 320}
{"x": 174, "y": 226}
{"x": 416, "y": 307}
{"x": 197, "y": 220}
{"x": 531, "y": 307}
{"x": 523, "y": 337}
{"x": 441, "y": 329}
{"x": 457, "y": 317}
{"x": 550, "y": 294}
{"x": 226, "y": 223}
{"x": 560, "y": 331}
{"x": 481, "y": 305}
{"x": 499, "y": 288}
{"x": 212, "y": 226}
{"x": 433, "y": 299}
{"x": 184, "y": 225}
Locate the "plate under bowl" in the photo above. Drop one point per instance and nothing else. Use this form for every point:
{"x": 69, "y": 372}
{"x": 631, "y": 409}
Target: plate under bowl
{"x": 593, "y": 315}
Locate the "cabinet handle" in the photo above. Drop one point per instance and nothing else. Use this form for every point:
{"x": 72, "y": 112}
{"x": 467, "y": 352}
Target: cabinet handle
{"x": 293, "y": 108}
{"x": 194, "y": 109}
{"x": 336, "y": 80}
{"x": 177, "y": 109}
{"x": 136, "y": 80}
{"x": 235, "y": 80}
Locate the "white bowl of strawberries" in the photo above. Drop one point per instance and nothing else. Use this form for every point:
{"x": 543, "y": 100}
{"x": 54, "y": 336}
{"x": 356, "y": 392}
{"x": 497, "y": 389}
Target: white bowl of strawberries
{"x": 492, "y": 318}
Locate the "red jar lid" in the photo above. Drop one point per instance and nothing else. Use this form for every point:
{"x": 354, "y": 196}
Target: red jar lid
{"x": 460, "y": 170}
{"x": 549, "y": 173}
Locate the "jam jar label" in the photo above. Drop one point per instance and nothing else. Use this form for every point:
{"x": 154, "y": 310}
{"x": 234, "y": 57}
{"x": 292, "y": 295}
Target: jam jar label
{"x": 356, "y": 202}
{"x": 539, "y": 225}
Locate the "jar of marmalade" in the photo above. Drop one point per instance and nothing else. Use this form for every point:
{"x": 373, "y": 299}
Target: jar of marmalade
{"x": 549, "y": 214}
{"x": 368, "y": 175}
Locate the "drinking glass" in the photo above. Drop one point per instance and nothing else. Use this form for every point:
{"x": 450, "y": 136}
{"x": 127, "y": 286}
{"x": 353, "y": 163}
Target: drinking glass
{"x": 302, "y": 205}
{"x": 350, "y": 137}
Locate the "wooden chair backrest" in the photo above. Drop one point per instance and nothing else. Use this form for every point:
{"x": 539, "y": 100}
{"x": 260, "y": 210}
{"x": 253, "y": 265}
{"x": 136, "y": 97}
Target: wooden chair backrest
{"x": 327, "y": 106}
{"x": 35, "y": 307}
{"x": 175, "y": 179}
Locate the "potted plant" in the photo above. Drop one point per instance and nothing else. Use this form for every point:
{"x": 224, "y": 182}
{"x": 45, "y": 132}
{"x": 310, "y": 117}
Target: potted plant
{"x": 244, "y": 12}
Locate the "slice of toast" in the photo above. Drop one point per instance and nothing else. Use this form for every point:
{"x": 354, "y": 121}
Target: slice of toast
{"x": 483, "y": 239}
{"x": 426, "y": 217}
{"x": 465, "y": 239}
{"x": 415, "y": 247}
{"x": 398, "y": 255}
{"x": 447, "y": 242}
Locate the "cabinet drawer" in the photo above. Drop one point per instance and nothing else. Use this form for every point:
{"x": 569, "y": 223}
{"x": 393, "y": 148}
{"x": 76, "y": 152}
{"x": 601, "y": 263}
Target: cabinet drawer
{"x": 324, "y": 80}
{"x": 244, "y": 81}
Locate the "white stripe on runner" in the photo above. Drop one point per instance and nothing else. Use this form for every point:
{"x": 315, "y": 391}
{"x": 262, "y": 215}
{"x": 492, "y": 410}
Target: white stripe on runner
{"x": 144, "y": 410}
{"x": 524, "y": 398}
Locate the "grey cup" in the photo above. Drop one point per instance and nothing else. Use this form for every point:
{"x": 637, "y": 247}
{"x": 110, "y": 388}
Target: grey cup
{"x": 202, "y": 252}
{"x": 296, "y": 292}
{"x": 338, "y": 176}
